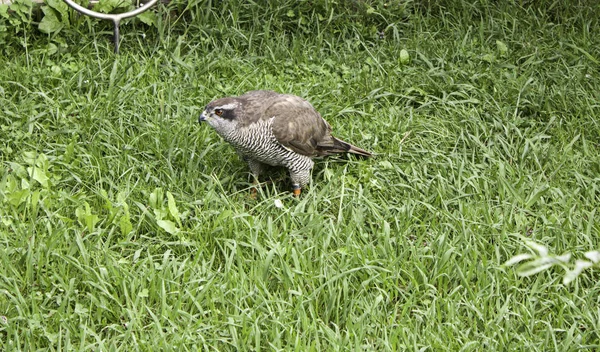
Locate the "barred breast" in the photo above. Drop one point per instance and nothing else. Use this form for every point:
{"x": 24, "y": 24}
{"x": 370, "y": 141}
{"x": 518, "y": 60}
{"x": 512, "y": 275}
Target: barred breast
{"x": 258, "y": 142}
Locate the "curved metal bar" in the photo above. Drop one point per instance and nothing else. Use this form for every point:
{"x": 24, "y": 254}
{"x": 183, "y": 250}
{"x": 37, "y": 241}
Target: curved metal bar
{"x": 108, "y": 16}
{"x": 116, "y": 18}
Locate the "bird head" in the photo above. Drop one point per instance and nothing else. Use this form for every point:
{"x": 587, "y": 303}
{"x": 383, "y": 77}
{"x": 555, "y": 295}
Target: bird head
{"x": 222, "y": 115}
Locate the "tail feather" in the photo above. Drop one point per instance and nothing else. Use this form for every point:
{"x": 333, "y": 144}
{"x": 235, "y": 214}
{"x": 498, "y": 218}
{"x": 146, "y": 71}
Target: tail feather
{"x": 339, "y": 146}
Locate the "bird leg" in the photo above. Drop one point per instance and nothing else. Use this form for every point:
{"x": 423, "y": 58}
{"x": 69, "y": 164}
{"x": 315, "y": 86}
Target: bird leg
{"x": 300, "y": 178}
{"x": 256, "y": 168}
{"x": 296, "y": 189}
{"x": 254, "y": 188}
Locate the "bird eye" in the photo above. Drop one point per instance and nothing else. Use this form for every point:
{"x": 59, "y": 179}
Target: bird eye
{"x": 219, "y": 112}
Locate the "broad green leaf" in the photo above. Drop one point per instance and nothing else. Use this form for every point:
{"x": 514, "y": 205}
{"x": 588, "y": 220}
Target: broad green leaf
{"x": 404, "y": 57}
{"x": 15, "y": 198}
{"x": 156, "y": 197}
{"x": 160, "y": 214}
{"x": 61, "y": 7}
{"x": 107, "y": 6}
{"x": 50, "y": 23}
{"x": 385, "y": 164}
{"x": 148, "y": 18}
{"x": 80, "y": 214}
{"x": 173, "y": 208}
{"x": 51, "y": 50}
{"x": 80, "y": 309}
{"x": 502, "y": 48}
{"x": 4, "y": 10}
{"x": 30, "y": 157}
{"x": 6, "y": 221}
{"x": 168, "y": 226}
{"x": 11, "y": 184}
{"x": 136, "y": 255}
{"x": 125, "y": 224}
{"x": 35, "y": 198}
{"x": 39, "y": 175}
{"x": 86, "y": 218}
{"x": 488, "y": 58}
{"x": 91, "y": 221}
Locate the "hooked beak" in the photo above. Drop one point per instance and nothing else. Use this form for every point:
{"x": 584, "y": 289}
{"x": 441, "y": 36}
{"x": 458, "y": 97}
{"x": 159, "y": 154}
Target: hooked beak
{"x": 202, "y": 117}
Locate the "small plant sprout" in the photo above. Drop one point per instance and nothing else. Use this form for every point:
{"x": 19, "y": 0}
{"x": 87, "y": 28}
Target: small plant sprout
{"x": 541, "y": 260}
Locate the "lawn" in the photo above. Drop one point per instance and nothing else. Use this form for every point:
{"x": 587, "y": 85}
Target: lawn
{"x": 125, "y": 225}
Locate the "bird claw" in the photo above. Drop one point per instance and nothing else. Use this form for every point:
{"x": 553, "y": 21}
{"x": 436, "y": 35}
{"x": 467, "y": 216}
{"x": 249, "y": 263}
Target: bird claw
{"x": 296, "y": 190}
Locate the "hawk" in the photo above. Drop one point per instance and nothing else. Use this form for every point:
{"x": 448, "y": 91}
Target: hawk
{"x": 269, "y": 128}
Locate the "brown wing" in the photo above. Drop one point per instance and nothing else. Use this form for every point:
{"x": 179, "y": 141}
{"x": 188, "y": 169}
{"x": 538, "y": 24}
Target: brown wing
{"x": 254, "y": 105}
{"x": 298, "y": 126}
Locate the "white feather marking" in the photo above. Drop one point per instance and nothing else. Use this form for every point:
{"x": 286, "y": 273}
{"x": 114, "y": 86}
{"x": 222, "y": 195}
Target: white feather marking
{"x": 227, "y": 106}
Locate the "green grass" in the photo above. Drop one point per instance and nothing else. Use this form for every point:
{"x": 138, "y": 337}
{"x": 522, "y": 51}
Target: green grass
{"x": 125, "y": 225}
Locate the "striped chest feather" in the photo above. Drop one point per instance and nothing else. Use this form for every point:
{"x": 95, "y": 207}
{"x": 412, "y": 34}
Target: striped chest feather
{"x": 258, "y": 142}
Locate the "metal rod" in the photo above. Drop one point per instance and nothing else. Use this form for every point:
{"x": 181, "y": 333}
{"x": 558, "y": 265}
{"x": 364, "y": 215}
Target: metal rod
{"x": 116, "y": 22}
{"x": 116, "y": 18}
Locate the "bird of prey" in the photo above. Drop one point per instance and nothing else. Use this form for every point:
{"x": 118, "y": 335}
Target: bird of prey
{"x": 267, "y": 127}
